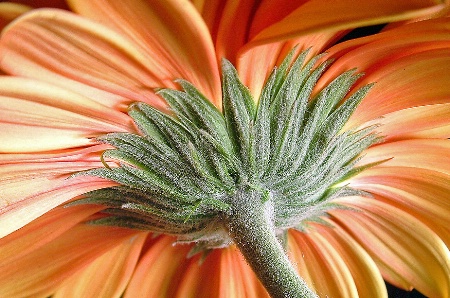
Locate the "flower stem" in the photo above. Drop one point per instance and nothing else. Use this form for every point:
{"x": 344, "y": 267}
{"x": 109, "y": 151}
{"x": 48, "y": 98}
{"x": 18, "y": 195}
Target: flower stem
{"x": 250, "y": 224}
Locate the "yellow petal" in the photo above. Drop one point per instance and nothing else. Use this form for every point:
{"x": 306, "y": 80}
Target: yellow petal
{"x": 407, "y": 252}
{"x": 41, "y": 271}
{"x": 106, "y": 276}
{"x": 32, "y": 113}
{"x": 321, "y": 265}
{"x": 415, "y": 153}
{"x": 171, "y": 34}
{"x": 424, "y": 191}
{"x": 336, "y": 15}
{"x": 367, "y": 277}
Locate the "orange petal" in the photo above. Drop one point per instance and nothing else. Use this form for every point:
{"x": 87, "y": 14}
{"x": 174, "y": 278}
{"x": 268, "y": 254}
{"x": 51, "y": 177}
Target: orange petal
{"x": 39, "y": 273}
{"x": 32, "y": 113}
{"x": 224, "y": 273}
{"x": 422, "y": 81}
{"x": 23, "y": 200}
{"x": 106, "y": 276}
{"x": 236, "y": 277}
{"x": 232, "y": 27}
{"x": 419, "y": 50}
{"x": 211, "y": 11}
{"x": 9, "y": 11}
{"x": 395, "y": 43}
{"x": 341, "y": 15}
{"x": 424, "y": 191}
{"x": 255, "y": 65}
{"x": 408, "y": 253}
{"x": 159, "y": 270}
{"x": 171, "y": 34}
{"x": 42, "y": 231}
{"x": 321, "y": 265}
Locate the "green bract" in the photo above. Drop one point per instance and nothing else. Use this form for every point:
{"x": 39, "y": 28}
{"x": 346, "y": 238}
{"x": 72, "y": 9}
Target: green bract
{"x": 181, "y": 176}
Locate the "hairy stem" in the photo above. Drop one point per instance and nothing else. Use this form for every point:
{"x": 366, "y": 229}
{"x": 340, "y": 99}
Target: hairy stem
{"x": 250, "y": 224}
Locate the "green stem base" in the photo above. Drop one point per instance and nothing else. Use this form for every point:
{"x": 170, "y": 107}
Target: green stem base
{"x": 250, "y": 224}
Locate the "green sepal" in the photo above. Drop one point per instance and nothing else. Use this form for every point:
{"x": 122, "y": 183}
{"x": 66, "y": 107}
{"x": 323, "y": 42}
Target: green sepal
{"x": 239, "y": 112}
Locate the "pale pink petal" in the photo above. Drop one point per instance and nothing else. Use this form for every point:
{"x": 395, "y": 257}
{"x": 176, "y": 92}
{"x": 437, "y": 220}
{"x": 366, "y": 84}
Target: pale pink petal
{"x": 26, "y": 198}
{"x": 36, "y": 116}
{"x": 40, "y": 272}
{"x": 423, "y": 122}
{"x": 106, "y": 276}
{"x": 87, "y": 154}
{"x": 408, "y": 253}
{"x": 31, "y": 187}
{"x": 65, "y": 49}
{"x": 172, "y": 34}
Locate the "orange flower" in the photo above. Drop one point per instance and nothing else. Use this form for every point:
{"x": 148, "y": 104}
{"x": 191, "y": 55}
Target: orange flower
{"x": 73, "y": 77}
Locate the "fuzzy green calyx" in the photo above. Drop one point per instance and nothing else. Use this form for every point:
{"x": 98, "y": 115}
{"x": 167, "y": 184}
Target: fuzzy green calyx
{"x": 182, "y": 174}
{"x": 244, "y": 176}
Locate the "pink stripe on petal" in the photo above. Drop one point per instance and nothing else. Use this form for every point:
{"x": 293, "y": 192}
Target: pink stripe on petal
{"x": 171, "y": 34}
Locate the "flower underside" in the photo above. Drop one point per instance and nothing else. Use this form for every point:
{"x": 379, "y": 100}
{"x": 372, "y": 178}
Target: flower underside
{"x": 189, "y": 173}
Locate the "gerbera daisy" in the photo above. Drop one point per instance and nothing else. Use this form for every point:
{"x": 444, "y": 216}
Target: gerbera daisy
{"x": 223, "y": 149}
